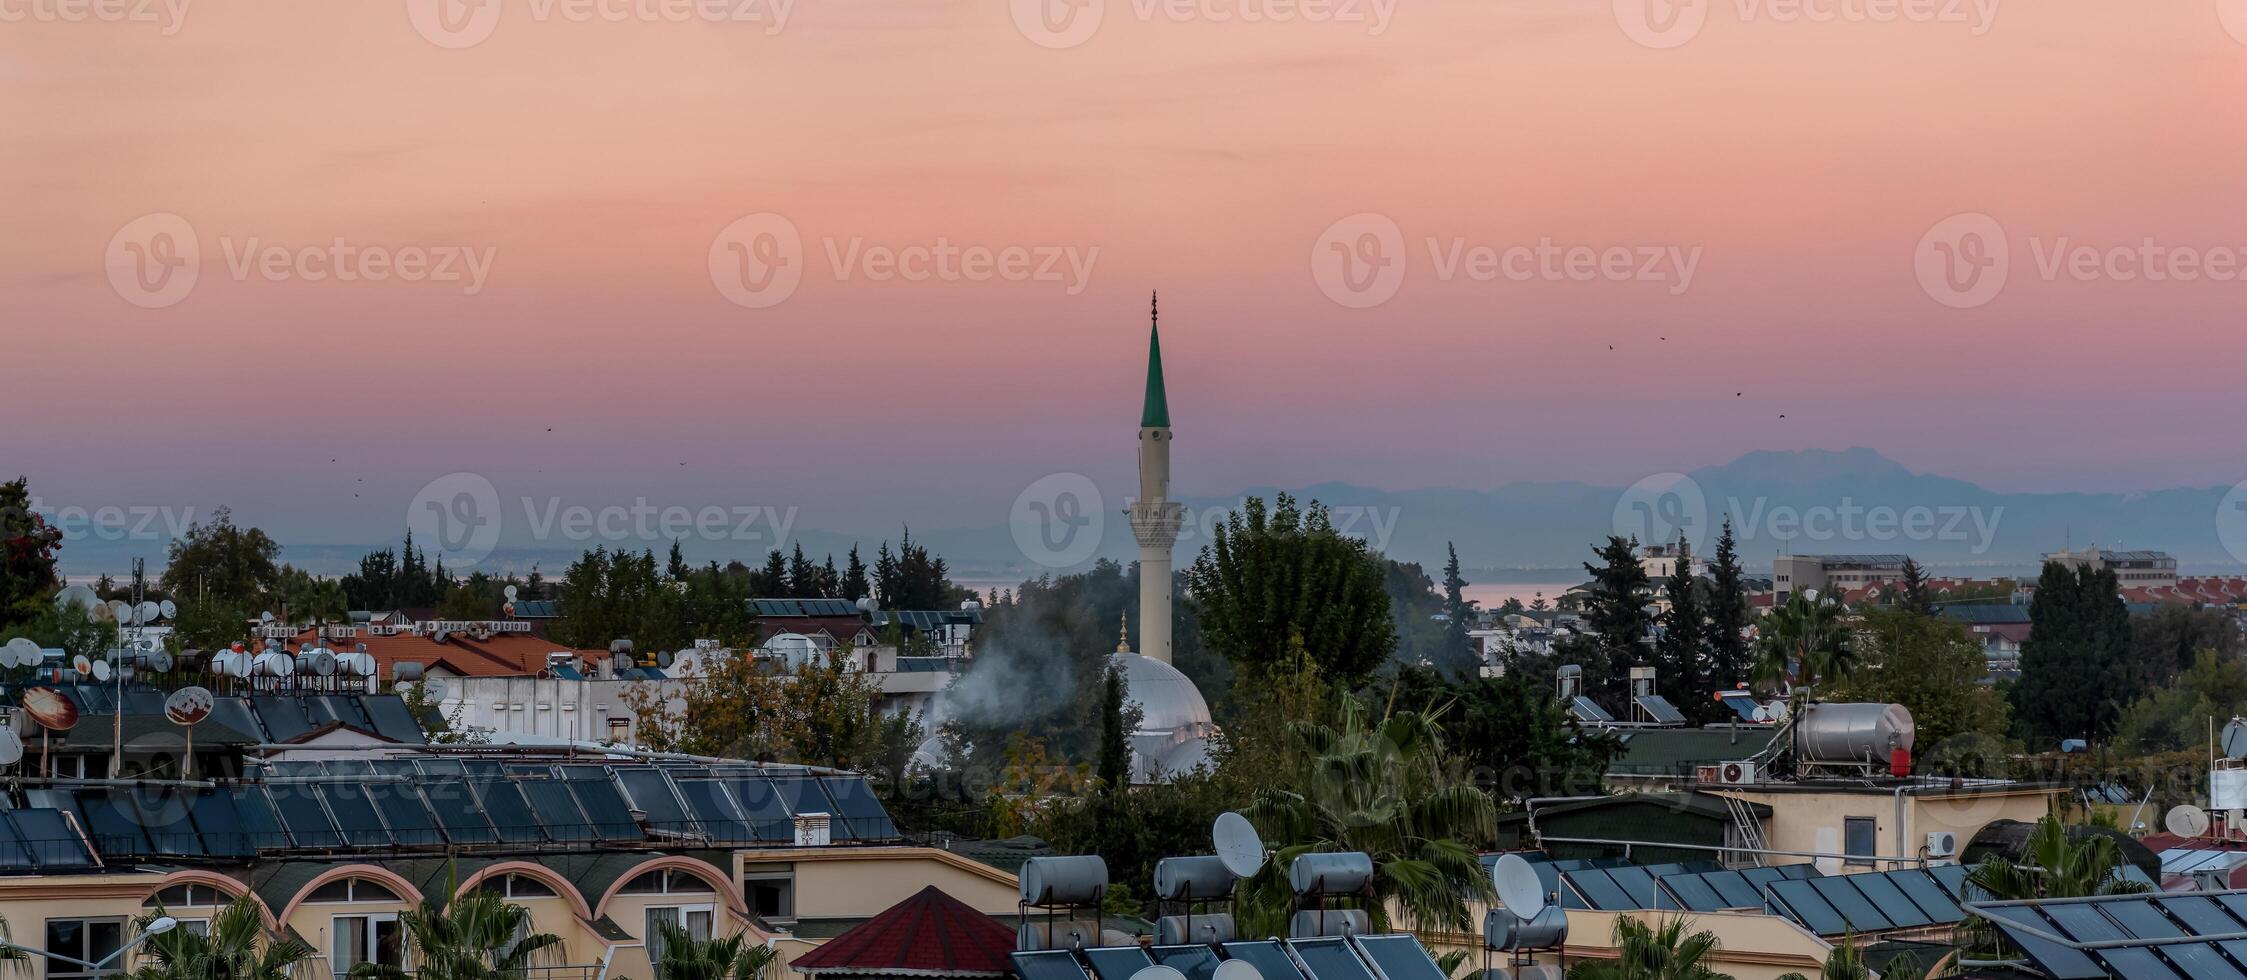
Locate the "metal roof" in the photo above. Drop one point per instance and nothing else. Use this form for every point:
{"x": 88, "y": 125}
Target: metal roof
{"x": 2134, "y": 937}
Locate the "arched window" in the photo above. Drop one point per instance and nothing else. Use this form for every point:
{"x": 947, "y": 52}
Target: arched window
{"x": 515, "y": 886}
{"x": 351, "y": 890}
{"x": 667, "y": 881}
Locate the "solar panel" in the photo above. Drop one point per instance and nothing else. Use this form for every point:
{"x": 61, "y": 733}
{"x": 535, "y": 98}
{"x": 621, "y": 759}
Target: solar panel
{"x": 1923, "y": 890}
{"x": 855, "y": 798}
{"x": 1117, "y": 962}
{"x": 114, "y": 829}
{"x": 235, "y": 713}
{"x": 142, "y": 701}
{"x": 163, "y": 814}
{"x": 1329, "y": 959}
{"x": 2085, "y": 923}
{"x": 1266, "y": 956}
{"x": 1661, "y": 710}
{"x": 355, "y": 815}
{"x": 769, "y": 819}
{"x": 2061, "y": 962}
{"x": 1859, "y": 912}
{"x": 1399, "y": 958}
{"x": 334, "y": 708}
{"x": 457, "y": 811}
{"x": 262, "y": 826}
{"x": 1048, "y": 964}
{"x": 1691, "y": 893}
{"x": 47, "y": 838}
{"x": 18, "y": 845}
{"x": 1589, "y": 712}
{"x": 2199, "y": 960}
{"x": 1800, "y": 872}
{"x": 714, "y": 811}
{"x": 408, "y": 815}
{"x": 1802, "y": 903}
{"x": 284, "y": 717}
{"x": 1196, "y": 962}
{"x": 558, "y": 814}
{"x": 1636, "y": 883}
{"x": 510, "y": 810}
{"x": 392, "y": 719}
{"x": 651, "y": 793}
{"x": 1953, "y": 879}
{"x": 219, "y": 826}
{"x": 603, "y": 802}
{"x": 1737, "y": 890}
{"x": 1890, "y": 900}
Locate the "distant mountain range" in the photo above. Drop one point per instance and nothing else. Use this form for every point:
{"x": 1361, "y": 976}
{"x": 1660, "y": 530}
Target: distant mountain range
{"x": 1852, "y": 501}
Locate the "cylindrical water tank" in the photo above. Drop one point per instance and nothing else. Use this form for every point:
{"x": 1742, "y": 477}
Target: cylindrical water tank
{"x": 1503, "y": 930}
{"x": 1183, "y": 930}
{"x": 2227, "y": 789}
{"x": 1336, "y": 873}
{"x": 1193, "y": 879}
{"x": 1313, "y": 923}
{"x": 1072, "y": 880}
{"x": 1838, "y": 733}
{"x": 1036, "y": 933}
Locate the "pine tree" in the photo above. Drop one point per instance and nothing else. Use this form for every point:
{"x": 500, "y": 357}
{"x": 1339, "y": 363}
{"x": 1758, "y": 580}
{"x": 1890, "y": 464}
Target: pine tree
{"x": 1114, "y": 767}
{"x": 803, "y": 576}
{"x": 1459, "y": 658}
{"x": 830, "y": 582}
{"x": 854, "y": 577}
{"x": 1616, "y": 612}
{"x": 1729, "y": 659}
{"x": 772, "y": 582}
{"x": 678, "y": 566}
{"x": 1913, "y": 595}
{"x": 1681, "y": 654}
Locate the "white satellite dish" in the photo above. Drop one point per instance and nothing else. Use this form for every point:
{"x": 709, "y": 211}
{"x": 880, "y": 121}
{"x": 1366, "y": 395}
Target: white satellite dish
{"x": 120, "y": 611}
{"x": 1518, "y": 885}
{"x": 148, "y": 612}
{"x": 509, "y": 592}
{"x": 1158, "y": 973}
{"x": 1238, "y": 846}
{"x": 1777, "y": 710}
{"x": 101, "y": 670}
{"x": 160, "y": 661}
{"x": 1760, "y": 715}
{"x": 83, "y": 666}
{"x": 266, "y": 616}
{"x": 2234, "y": 739}
{"x": 11, "y": 747}
{"x": 1237, "y": 970}
{"x": 2186, "y": 821}
{"x": 78, "y": 595}
{"x": 169, "y": 609}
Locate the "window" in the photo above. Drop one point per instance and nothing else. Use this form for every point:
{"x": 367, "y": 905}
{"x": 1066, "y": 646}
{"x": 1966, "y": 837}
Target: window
{"x": 515, "y": 886}
{"x": 1857, "y": 839}
{"x": 771, "y": 891}
{"x": 351, "y": 890}
{"x": 191, "y": 905}
{"x": 91, "y": 940}
{"x": 666, "y": 882}
{"x": 695, "y": 919}
{"x": 366, "y": 939}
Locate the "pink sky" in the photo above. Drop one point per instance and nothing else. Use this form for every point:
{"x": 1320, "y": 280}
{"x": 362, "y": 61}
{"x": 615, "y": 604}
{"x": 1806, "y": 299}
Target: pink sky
{"x": 596, "y": 162}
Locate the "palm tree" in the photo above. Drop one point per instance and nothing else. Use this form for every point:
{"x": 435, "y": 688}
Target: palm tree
{"x": 1386, "y": 788}
{"x": 1810, "y": 635}
{"x": 731, "y": 958}
{"x": 11, "y": 958}
{"x": 2060, "y": 865}
{"x": 236, "y": 948}
{"x": 480, "y": 936}
{"x": 1847, "y": 962}
{"x": 1664, "y": 952}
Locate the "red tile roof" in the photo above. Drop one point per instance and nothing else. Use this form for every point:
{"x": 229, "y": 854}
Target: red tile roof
{"x": 500, "y": 655}
{"x": 928, "y": 935}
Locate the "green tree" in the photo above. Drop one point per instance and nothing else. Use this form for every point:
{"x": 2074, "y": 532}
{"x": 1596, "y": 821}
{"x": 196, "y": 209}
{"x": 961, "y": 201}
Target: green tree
{"x": 1512, "y": 732}
{"x": 1729, "y": 656}
{"x": 677, "y": 567}
{"x": 687, "y": 958}
{"x": 218, "y": 563}
{"x": 1912, "y": 594}
{"x": 1266, "y": 577}
{"x": 28, "y": 580}
{"x": 854, "y": 584}
{"x": 772, "y": 582}
{"x": 478, "y": 936}
{"x": 1114, "y": 768}
{"x": 1386, "y": 787}
{"x": 2057, "y": 862}
{"x": 2167, "y": 640}
{"x": 308, "y": 598}
{"x": 1659, "y": 952}
{"x": 1808, "y": 639}
{"x": 1681, "y": 653}
{"x": 2075, "y": 665}
{"x": 2174, "y": 716}
{"x": 1846, "y": 962}
{"x": 235, "y": 947}
{"x": 1615, "y": 614}
{"x": 70, "y": 627}
{"x": 1933, "y": 667}
{"x": 1459, "y": 657}
{"x": 824, "y": 712}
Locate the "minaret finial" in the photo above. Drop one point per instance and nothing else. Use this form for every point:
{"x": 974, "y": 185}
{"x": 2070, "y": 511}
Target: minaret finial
{"x": 1123, "y": 632}
{"x": 1154, "y": 308}
{"x": 1155, "y": 411}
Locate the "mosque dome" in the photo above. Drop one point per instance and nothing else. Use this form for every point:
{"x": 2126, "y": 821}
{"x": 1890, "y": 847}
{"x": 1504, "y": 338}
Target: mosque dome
{"x": 1168, "y": 701}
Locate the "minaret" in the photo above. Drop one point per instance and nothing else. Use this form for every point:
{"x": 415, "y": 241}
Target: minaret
{"x": 1154, "y": 518}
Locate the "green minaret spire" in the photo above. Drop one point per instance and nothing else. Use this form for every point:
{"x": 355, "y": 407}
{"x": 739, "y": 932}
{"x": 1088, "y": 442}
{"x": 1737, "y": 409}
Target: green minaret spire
{"x": 1155, "y": 414}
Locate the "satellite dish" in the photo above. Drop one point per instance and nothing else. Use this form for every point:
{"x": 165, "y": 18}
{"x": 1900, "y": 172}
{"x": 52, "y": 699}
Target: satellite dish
{"x": 83, "y": 666}
{"x": 1158, "y": 973}
{"x": 1518, "y": 885}
{"x": 266, "y": 616}
{"x": 1760, "y": 715}
{"x": 189, "y": 706}
{"x": 78, "y": 595}
{"x": 120, "y": 611}
{"x": 101, "y": 670}
{"x": 168, "y": 608}
{"x": 1237, "y": 970}
{"x": 2186, "y": 821}
{"x": 50, "y": 709}
{"x": 2234, "y": 739}
{"x": 11, "y": 747}
{"x": 160, "y": 661}
{"x": 1777, "y": 710}
{"x": 509, "y": 592}
{"x": 148, "y": 612}
{"x": 1238, "y": 846}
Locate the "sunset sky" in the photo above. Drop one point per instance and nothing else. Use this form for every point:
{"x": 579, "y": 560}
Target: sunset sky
{"x": 596, "y": 163}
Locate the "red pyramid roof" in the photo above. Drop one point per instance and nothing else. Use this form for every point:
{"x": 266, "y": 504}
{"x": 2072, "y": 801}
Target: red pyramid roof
{"x": 930, "y": 934}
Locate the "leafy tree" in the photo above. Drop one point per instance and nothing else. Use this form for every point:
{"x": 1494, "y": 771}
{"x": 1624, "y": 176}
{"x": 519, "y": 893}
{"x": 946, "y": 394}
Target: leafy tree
{"x": 1387, "y": 787}
{"x": 1659, "y": 952}
{"x": 2167, "y": 640}
{"x": 734, "y": 957}
{"x": 1266, "y": 577}
{"x": 307, "y": 598}
{"x": 1912, "y": 594}
{"x": 824, "y": 712}
{"x": 677, "y": 567}
{"x": 1511, "y": 732}
{"x": 28, "y": 580}
{"x": 1729, "y": 659}
{"x": 1459, "y": 656}
{"x": 1417, "y": 612}
{"x": 207, "y": 626}
{"x": 219, "y": 563}
{"x": 1615, "y": 613}
{"x": 2174, "y": 716}
{"x": 2075, "y": 669}
{"x": 2057, "y": 862}
{"x": 235, "y": 948}
{"x": 619, "y": 595}
{"x": 1681, "y": 655}
{"x": 1807, "y": 639}
{"x": 477, "y": 936}
{"x": 70, "y": 627}
{"x": 1933, "y": 667}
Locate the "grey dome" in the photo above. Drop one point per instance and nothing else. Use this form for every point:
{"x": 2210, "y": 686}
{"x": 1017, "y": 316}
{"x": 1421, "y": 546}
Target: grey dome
{"x": 1169, "y": 703}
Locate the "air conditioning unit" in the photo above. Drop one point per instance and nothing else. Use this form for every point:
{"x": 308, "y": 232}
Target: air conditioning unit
{"x": 1736, "y": 773}
{"x": 1942, "y": 844}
